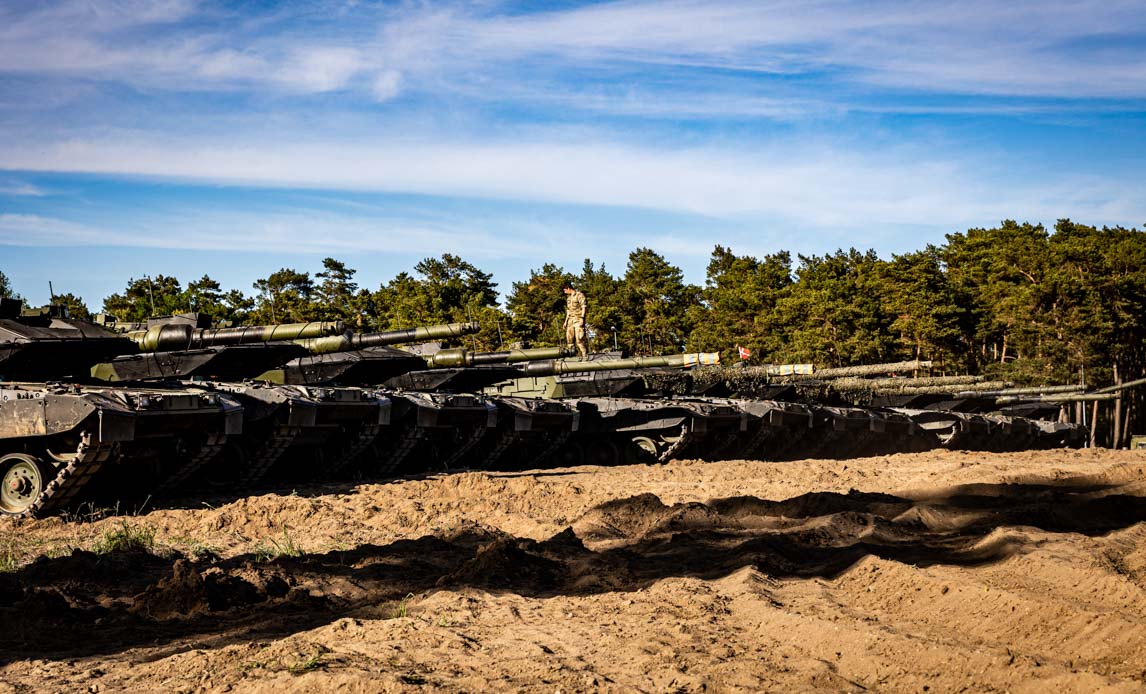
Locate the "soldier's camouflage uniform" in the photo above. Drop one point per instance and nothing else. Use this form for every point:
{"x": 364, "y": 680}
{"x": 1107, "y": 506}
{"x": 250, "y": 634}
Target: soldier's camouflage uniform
{"x": 575, "y": 308}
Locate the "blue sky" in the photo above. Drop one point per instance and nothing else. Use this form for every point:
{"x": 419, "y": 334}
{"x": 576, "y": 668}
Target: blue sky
{"x": 234, "y": 138}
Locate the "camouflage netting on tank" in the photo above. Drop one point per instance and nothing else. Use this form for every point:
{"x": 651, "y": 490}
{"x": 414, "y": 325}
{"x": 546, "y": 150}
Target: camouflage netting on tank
{"x": 744, "y": 382}
{"x": 872, "y": 369}
{"x": 895, "y": 385}
{"x": 669, "y": 382}
{"x": 741, "y": 381}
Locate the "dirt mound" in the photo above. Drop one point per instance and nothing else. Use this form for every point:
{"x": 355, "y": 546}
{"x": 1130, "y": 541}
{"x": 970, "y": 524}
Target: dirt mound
{"x": 939, "y": 570}
{"x": 508, "y": 563}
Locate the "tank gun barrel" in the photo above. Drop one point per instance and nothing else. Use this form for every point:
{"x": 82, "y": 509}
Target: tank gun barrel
{"x": 1034, "y": 390}
{"x": 1122, "y": 386}
{"x": 1056, "y": 398}
{"x": 871, "y": 369}
{"x": 172, "y": 337}
{"x": 355, "y": 341}
{"x": 554, "y": 367}
{"x": 454, "y": 358}
{"x": 892, "y": 384}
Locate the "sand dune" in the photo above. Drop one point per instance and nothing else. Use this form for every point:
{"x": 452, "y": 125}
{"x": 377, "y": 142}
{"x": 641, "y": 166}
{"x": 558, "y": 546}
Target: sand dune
{"x": 933, "y": 572}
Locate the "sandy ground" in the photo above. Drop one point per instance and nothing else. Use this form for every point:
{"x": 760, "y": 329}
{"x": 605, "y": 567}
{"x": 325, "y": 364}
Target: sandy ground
{"x": 924, "y": 572}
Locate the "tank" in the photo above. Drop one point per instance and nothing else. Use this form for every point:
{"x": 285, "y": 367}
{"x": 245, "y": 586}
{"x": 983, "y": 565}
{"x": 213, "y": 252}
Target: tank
{"x": 43, "y": 344}
{"x": 795, "y": 415}
{"x": 64, "y": 436}
{"x": 176, "y": 348}
{"x": 437, "y": 418}
{"x": 176, "y": 407}
{"x": 364, "y": 358}
{"x": 619, "y": 419}
{"x": 300, "y": 423}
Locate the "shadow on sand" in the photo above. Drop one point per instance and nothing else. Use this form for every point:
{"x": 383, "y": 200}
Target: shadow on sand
{"x": 89, "y": 605}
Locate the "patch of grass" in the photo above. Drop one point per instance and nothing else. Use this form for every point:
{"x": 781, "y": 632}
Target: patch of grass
{"x": 195, "y": 549}
{"x": 311, "y": 662}
{"x": 8, "y": 561}
{"x": 128, "y": 537}
{"x": 17, "y": 552}
{"x": 59, "y": 551}
{"x": 400, "y": 609}
{"x": 272, "y": 548}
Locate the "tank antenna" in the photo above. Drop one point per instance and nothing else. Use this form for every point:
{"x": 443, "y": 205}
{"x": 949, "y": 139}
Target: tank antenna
{"x": 150, "y": 293}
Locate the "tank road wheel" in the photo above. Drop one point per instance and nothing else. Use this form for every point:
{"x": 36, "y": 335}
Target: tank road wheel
{"x": 571, "y": 454}
{"x": 644, "y": 450}
{"x": 21, "y": 482}
{"x": 647, "y": 445}
{"x": 225, "y": 471}
{"x": 603, "y": 452}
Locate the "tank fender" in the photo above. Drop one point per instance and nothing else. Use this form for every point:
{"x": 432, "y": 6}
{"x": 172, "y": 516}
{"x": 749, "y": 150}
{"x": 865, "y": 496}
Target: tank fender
{"x": 26, "y": 413}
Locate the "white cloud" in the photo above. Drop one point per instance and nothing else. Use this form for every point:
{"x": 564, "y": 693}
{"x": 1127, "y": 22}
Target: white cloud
{"x": 387, "y": 85}
{"x": 1030, "y": 47}
{"x": 973, "y": 46}
{"x": 90, "y": 17}
{"x": 21, "y": 189}
{"x": 321, "y": 69}
{"x": 298, "y": 231}
{"x": 806, "y": 183}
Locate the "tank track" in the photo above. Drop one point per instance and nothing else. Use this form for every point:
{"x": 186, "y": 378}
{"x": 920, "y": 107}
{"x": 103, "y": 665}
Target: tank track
{"x": 677, "y": 446}
{"x": 554, "y": 445}
{"x": 269, "y": 452}
{"x": 407, "y": 442}
{"x": 207, "y": 452}
{"x": 758, "y": 440}
{"x": 504, "y": 440}
{"x": 772, "y": 431}
{"x": 476, "y": 434}
{"x": 724, "y": 445}
{"x": 361, "y": 441}
{"x": 70, "y": 480}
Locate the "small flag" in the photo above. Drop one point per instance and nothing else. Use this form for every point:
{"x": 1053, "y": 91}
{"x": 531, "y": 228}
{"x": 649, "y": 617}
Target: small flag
{"x": 744, "y": 353}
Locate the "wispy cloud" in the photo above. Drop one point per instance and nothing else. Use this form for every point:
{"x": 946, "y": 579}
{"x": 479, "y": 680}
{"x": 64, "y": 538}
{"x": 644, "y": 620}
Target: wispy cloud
{"x": 18, "y": 188}
{"x": 804, "y": 184}
{"x": 673, "y": 123}
{"x": 321, "y": 69}
{"x": 1071, "y": 49}
{"x": 302, "y": 232}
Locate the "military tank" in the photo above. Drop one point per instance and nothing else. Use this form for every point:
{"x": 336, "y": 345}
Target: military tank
{"x": 620, "y": 418}
{"x": 60, "y": 430}
{"x": 304, "y": 416}
{"x": 174, "y": 404}
{"x": 185, "y": 347}
{"x": 794, "y": 415}
{"x": 438, "y": 419}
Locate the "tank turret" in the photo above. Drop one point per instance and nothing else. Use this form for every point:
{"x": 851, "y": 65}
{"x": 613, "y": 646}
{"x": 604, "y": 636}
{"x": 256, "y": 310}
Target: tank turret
{"x": 174, "y": 348}
{"x": 361, "y": 358}
{"x": 460, "y": 370}
{"x": 173, "y": 336}
{"x": 355, "y": 341}
{"x": 556, "y": 367}
{"x": 46, "y": 345}
{"x": 600, "y": 375}
{"x": 60, "y": 437}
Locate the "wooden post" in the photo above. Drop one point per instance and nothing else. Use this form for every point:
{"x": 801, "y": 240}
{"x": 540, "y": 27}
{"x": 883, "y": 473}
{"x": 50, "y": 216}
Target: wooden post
{"x": 1125, "y": 442}
{"x": 1116, "y": 414}
{"x": 1094, "y": 424}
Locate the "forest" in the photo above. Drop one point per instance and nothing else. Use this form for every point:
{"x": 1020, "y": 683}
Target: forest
{"x": 1018, "y": 302}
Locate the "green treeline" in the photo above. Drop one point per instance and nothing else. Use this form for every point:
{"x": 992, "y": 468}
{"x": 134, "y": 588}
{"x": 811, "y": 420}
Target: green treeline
{"x": 1017, "y": 302}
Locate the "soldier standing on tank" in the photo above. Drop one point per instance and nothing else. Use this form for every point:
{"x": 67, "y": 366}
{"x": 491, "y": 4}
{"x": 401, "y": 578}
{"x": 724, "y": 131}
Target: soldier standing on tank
{"x": 575, "y": 309}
